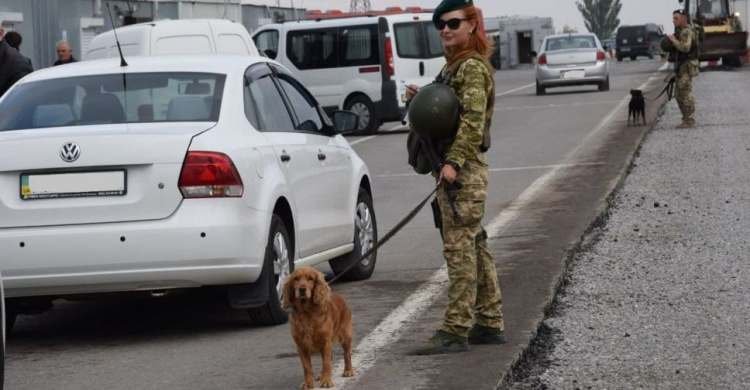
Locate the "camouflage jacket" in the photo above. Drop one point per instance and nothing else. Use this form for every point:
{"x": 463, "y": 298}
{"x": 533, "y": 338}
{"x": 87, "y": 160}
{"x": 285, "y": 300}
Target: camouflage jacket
{"x": 684, "y": 44}
{"x": 473, "y": 85}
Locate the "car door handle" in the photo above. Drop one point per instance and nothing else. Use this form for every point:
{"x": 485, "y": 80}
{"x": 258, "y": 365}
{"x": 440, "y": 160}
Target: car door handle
{"x": 285, "y": 157}
{"x": 421, "y": 68}
{"x": 321, "y": 157}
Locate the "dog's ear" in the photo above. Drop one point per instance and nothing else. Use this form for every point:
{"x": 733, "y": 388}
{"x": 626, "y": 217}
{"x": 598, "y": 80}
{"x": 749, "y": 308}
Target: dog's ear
{"x": 322, "y": 291}
{"x": 287, "y": 292}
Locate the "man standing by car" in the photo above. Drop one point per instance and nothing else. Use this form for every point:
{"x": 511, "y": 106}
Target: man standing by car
{"x": 64, "y": 54}
{"x": 685, "y": 42}
{"x": 13, "y": 65}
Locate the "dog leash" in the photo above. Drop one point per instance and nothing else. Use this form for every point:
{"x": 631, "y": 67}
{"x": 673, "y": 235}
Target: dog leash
{"x": 669, "y": 89}
{"x": 390, "y": 234}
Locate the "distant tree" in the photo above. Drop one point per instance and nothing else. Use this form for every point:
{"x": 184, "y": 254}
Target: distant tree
{"x": 568, "y": 30}
{"x": 600, "y": 16}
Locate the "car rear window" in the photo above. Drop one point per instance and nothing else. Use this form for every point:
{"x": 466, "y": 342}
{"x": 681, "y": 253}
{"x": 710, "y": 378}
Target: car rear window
{"x": 570, "y": 42}
{"x": 631, "y": 32}
{"x": 113, "y": 98}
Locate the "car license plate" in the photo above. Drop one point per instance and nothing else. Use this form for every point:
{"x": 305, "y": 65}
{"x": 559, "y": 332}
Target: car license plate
{"x": 624, "y": 41}
{"x": 625, "y": 49}
{"x": 574, "y": 74}
{"x": 73, "y": 184}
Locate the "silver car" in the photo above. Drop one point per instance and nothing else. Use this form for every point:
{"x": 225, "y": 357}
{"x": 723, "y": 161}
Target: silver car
{"x": 571, "y": 59}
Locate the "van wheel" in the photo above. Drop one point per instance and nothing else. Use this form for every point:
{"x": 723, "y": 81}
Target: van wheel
{"x": 365, "y": 237}
{"x": 368, "y": 119}
{"x": 279, "y": 262}
{"x": 632, "y": 58}
{"x": 619, "y": 59}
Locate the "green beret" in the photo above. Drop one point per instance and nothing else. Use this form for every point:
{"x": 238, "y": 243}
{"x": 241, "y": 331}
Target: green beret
{"x": 448, "y": 6}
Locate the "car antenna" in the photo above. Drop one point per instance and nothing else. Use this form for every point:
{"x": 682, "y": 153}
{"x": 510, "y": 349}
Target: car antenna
{"x": 114, "y": 28}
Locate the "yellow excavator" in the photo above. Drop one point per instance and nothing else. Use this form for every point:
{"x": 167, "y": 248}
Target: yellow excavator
{"x": 724, "y": 36}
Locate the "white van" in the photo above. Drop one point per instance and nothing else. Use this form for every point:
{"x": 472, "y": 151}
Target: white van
{"x": 359, "y": 64}
{"x": 184, "y": 36}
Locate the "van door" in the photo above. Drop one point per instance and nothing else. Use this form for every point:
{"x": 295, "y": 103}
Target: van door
{"x": 417, "y": 54}
{"x": 231, "y": 38}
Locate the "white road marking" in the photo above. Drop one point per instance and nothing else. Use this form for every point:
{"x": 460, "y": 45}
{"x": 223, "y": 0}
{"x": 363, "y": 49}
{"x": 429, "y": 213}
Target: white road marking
{"x": 391, "y": 328}
{"x": 555, "y": 105}
{"x": 499, "y": 169}
{"x": 359, "y": 141}
{"x": 515, "y": 90}
{"x": 664, "y": 67}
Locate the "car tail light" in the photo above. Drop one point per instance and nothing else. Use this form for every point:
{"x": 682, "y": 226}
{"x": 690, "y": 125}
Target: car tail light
{"x": 600, "y": 56}
{"x": 209, "y": 175}
{"x": 389, "y": 57}
{"x": 542, "y": 60}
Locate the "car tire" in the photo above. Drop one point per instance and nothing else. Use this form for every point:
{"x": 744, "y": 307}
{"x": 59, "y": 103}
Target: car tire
{"x": 365, "y": 237}
{"x": 651, "y": 55}
{"x": 279, "y": 261}
{"x": 11, "y": 313}
{"x": 540, "y": 90}
{"x": 368, "y": 118}
{"x": 633, "y": 58}
{"x": 604, "y": 86}
{"x": 619, "y": 59}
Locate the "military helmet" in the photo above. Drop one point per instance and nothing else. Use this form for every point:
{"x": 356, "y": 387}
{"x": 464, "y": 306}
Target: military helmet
{"x": 667, "y": 45}
{"x": 434, "y": 111}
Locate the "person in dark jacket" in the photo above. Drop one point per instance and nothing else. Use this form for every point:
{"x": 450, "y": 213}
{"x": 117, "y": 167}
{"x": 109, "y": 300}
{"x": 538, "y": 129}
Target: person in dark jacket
{"x": 13, "y": 65}
{"x": 15, "y": 39}
{"x": 64, "y": 54}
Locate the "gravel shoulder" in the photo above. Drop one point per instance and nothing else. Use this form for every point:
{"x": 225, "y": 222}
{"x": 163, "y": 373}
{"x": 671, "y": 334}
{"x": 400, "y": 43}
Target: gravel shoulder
{"x": 659, "y": 295}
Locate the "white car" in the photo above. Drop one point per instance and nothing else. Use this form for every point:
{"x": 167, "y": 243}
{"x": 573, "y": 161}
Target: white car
{"x": 175, "y": 172}
{"x": 567, "y": 60}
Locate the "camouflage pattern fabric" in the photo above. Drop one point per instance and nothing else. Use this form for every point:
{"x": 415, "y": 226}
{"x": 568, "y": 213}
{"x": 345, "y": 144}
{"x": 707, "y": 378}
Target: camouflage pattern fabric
{"x": 473, "y": 85}
{"x": 474, "y": 291}
{"x": 687, "y": 70}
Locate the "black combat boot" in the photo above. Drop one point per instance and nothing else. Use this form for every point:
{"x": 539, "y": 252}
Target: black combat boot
{"x": 443, "y": 342}
{"x": 479, "y": 334}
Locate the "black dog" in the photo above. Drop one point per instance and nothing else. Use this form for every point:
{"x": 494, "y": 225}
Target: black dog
{"x": 637, "y": 107}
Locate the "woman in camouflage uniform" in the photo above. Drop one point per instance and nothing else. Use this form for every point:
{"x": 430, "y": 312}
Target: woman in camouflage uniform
{"x": 474, "y": 312}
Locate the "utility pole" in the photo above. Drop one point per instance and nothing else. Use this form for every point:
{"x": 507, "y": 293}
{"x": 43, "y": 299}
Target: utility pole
{"x": 360, "y": 6}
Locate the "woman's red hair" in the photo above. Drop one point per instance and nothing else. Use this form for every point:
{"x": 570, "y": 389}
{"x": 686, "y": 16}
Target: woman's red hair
{"x": 478, "y": 42}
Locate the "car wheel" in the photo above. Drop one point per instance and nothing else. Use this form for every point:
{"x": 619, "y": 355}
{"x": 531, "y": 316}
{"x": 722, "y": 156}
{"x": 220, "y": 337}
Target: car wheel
{"x": 619, "y": 59}
{"x": 632, "y": 58}
{"x": 368, "y": 119}
{"x": 365, "y": 237}
{"x": 604, "y": 86}
{"x": 11, "y": 313}
{"x": 540, "y": 90}
{"x": 279, "y": 262}
{"x": 651, "y": 55}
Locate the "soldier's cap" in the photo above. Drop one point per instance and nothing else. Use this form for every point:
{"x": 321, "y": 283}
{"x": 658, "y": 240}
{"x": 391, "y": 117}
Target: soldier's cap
{"x": 680, "y": 11}
{"x": 449, "y": 5}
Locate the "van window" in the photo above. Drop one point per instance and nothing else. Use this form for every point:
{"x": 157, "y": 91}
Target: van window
{"x": 313, "y": 49}
{"x": 417, "y": 40}
{"x": 268, "y": 43}
{"x": 359, "y": 46}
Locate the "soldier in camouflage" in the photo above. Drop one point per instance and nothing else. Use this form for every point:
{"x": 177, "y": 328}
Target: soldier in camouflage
{"x": 686, "y": 67}
{"x": 474, "y": 312}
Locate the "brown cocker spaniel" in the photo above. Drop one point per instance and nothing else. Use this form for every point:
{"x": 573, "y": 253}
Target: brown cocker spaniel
{"x": 319, "y": 319}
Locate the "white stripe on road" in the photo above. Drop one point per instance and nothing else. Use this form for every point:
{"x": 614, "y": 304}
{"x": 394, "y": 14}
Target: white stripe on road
{"x": 392, "y": 327}
{"x": 499, "y": 169}
{"x": 664, "y": 67}
{"x": 359, "y": 141}
{"x": 515, "y": 90}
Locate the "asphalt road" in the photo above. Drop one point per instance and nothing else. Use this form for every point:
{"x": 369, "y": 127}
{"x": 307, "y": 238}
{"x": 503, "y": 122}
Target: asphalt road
{"x": 554, "y": 160}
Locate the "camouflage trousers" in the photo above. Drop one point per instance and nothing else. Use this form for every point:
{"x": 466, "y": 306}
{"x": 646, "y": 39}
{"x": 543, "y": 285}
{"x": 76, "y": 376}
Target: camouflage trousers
{"x": 684, "y": 95}
{"x": 474, "y": 292}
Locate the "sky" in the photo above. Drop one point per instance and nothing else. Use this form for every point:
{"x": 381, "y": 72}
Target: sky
{"x": 562, "y": 11}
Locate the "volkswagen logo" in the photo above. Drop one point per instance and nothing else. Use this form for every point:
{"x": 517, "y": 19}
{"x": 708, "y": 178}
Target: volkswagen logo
{"x": 70, "y": 152}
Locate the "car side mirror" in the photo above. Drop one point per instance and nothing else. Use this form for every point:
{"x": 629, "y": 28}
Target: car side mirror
{"x": 345, "y": 121}
{"x": 533, "y": 54}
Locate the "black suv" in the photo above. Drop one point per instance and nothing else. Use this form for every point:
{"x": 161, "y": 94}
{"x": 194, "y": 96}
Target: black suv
{"x": 641, "y": 40}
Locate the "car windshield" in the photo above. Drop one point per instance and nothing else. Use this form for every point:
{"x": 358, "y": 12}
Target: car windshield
{"x": 113, "y": 98}
{"x": 570, "y": 42}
